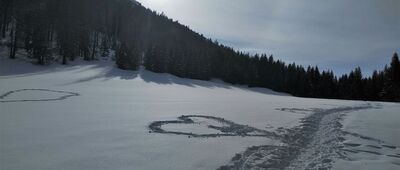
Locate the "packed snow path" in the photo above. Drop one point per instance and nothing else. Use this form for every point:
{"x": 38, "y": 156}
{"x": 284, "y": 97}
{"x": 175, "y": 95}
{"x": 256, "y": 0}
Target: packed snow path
{"x": 312, "y": 145}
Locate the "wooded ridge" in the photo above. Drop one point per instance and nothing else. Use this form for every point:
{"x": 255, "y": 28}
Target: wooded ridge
{"x": 62, "y": 30}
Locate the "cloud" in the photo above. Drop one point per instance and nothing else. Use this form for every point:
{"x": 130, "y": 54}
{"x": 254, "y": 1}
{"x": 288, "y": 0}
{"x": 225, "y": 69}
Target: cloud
{"x": 338, "y": 34}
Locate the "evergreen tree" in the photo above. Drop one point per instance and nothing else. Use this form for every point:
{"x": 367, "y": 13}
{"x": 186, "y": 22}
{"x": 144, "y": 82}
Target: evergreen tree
{"x": 127, "y": 58}
{"x": 391, "y": 88}
{"x": 85, "y": 28}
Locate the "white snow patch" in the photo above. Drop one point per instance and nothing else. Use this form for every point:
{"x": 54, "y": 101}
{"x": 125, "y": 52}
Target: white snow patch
{"x": 106, "y": 126}
{"x": 382, "y": 124}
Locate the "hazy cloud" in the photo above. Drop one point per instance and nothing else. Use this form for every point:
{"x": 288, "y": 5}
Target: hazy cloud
{"x": 338, "y": 34}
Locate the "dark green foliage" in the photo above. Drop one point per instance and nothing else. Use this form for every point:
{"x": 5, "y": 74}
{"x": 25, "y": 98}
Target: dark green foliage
{"x": 126, "y": 58}
{"x": 391, "y": 86}
{"x": 105, "y": 47}
{"x": 87, "y": 28}
{"x": 5, "y": 7}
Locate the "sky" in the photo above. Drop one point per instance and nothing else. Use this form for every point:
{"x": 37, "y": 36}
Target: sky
{"x": 338, "y": 35}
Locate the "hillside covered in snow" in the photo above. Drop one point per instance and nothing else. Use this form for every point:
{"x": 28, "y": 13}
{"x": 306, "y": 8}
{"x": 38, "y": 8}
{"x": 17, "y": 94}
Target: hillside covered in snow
{"x": 91, "y": 115}
{"x": 61, "y": 31}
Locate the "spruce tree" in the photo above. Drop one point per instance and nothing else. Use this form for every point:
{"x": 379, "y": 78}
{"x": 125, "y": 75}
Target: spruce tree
{"x": 127, "y": 58}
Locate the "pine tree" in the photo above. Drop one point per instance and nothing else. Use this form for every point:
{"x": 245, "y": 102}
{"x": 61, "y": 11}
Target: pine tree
{"x": 395, "y": 69}
{"x": 127, "y": 58}
{"x": 391, "y": 88}
{"x": 104, "y": 49}
{"x": 5, "y": 6}
{"x": 82, "y": 28}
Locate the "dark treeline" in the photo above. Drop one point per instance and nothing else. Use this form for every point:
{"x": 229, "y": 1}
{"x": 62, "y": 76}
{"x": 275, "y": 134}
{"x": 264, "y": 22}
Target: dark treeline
{"x": 61, "y": 30}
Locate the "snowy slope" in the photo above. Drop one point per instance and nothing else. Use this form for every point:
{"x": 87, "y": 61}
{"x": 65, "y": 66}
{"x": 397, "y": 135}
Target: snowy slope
{"x": 94, "y": 116}
{"x": 377, "y": 140}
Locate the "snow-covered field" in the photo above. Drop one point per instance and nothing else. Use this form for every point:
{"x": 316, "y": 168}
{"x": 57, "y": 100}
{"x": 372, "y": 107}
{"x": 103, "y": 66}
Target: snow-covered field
{"x": 378, "y": 142}
{"x": 95, "y": 116}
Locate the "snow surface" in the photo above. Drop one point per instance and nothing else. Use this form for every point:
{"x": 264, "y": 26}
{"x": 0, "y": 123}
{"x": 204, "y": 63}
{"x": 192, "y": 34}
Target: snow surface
{"x": 382, "y": 126}
{"x": 106, "y": 125}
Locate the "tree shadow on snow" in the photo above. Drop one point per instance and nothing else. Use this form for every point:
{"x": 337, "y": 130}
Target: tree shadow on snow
{"x": 164, "y": 78}
{"x": 111, "y": 72}
{"x": 106, "y": 74}
{"x": 108, "y": 70}
{"x": 25, "y": 68}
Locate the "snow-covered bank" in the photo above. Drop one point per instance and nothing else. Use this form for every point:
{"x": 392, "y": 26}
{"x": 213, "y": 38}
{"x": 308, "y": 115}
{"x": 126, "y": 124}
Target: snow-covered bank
{"x": 373, "y": 140}
{"x": 106, "y": 125}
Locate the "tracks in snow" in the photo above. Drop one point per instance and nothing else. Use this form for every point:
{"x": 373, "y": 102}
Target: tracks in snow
{"x": 315, "y": 144}
{"x": 312, "y": 145}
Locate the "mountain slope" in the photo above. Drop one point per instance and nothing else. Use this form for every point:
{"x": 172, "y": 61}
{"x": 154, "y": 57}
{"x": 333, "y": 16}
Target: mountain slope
{"x": 91, "y": 115}
{"x": 61, "y": 31}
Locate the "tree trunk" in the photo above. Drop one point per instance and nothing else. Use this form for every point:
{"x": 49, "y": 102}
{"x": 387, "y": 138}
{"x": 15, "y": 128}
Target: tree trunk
{"x": 64, "y": 59}
{"x": 41, "y": 60}
{"x": 95, "y": 42}
{"x": 50, "y": 33}
{"x": 4, "y": 24}
{"x": 14, "y": 41}
{"x": 11, "y": 44}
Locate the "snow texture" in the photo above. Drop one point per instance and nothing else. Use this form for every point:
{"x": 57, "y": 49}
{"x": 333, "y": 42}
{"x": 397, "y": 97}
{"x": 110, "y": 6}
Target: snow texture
{"x": 91, "y": 115}
{"x": 311, "y": 145}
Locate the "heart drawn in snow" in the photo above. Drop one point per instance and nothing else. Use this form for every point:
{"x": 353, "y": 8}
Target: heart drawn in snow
{"x": 219, "y": 126}
{"x": 60, "y": 95}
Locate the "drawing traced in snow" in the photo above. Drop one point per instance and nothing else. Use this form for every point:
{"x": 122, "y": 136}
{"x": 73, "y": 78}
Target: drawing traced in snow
{"x": 314, "y": 144}
{"x": 225, "y": 127}
{"x": 56, "y": 95}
